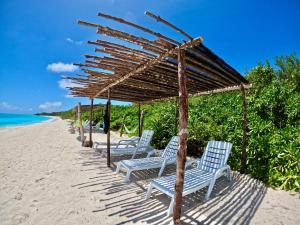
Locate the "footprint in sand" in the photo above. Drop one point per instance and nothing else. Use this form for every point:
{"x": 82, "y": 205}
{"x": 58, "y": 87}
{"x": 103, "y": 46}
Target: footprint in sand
{"x": 18, "y": 196}
{"x": 20, "y": 218}
{"x": 38, "y": 180}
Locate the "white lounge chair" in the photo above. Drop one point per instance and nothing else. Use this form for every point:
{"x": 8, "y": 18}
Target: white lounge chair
{"x": 210, "y": 167}
{"x": 97, "y": 126}
{"x": 167, "y": 157}
{"x": 143, "y": 146}
{"x": 86, "y": 125}
{"x": 131, "y": 142}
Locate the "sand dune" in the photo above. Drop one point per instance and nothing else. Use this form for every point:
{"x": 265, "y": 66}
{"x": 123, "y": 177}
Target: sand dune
{"x": 46, "y": 177}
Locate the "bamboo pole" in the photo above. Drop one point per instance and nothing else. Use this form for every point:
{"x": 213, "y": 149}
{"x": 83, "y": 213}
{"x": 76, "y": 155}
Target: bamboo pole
{"x": 108, "y": 132}
{"x": 183, "y": 120}
{"x": 139, "y": 116}
{"x": 80, "y": 123}
{"x": 91, "y": 122}
{"x": 159, "y": 19}
{"x": 245, "y": 132}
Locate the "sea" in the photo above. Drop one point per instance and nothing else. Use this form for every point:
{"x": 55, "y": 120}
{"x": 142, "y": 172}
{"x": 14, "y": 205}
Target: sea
{"x": 8, "y": 120}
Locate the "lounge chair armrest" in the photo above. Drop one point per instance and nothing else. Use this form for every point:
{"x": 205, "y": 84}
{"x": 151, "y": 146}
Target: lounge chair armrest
{"x": 135, "y": 138}
{"x": 191, "y": 162}
{"x": 126, "y": 143}
{"x": 168, "y": 159}
{"x": 156, "y": 152}
{"x": 132, "y": 141}
{"x": 147, "y": 149}
{"x": 221, "y": 170}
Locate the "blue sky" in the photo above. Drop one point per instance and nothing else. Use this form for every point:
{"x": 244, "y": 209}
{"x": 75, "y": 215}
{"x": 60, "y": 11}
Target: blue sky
{"x": 35, "y": 34}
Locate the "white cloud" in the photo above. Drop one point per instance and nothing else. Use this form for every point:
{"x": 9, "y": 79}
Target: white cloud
{"x": 67, "y": 83}
{"x": 70, "y": 40}
{"x": 61, "y": 67}
{"x": 69, "y": 96}
{"x": 50, "y": 105}
{"x": 5, "y": 105}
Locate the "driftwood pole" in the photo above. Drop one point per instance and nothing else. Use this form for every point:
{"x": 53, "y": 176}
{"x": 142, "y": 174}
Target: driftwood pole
{"x": 139, "y": 115}
{"x": 142, "y": 120}
{"x": 122, "y": 126}
{"x": 80, "y": 123}
{"x": 183, "y": 120}
{"x": 91, "y": 121}
{"x": 101, "y": 116}
{"x": 245, "y": 131}
{"x": 176, "y": 116}
{"x": 75, "y": 113}
{"x": 108, "y": 130}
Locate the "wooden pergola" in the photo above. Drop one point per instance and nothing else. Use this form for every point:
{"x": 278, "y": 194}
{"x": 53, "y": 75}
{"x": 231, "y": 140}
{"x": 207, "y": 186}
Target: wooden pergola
{"x": 162, "y": 68}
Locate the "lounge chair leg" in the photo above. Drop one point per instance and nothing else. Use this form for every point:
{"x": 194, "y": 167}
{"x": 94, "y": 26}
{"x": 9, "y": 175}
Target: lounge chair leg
{"x": 127, "y": 175}
{"x": 102, "y": 153}
{"x": 133, "y": 155}
{"x": 118, "y": 167}
{"x": 210, "y": 188}
{"x": 148, "y": 194}
{"x": 95, "y": 145}
{"x": 229, "y": 175}
{"x": 170, "y": 209}
{"x": 161, "y": 170}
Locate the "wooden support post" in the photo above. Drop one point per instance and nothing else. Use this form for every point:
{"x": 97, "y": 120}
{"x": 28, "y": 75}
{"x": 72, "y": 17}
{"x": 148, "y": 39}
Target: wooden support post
{"x": 245, "y": 131}
{"x": 75, "y": 113}
{"x": 101, "y": 116}
{"x": 183, "y": 120}
{"x": 139, "y": 116}
{"x": 176, "y": 116}
{"x": 142, "y": 120}
{"x": 122, "y": 126}
{"x": 80, "y": 123}
{"x": 108, "y": 131}
{"x": 91, "y": 122}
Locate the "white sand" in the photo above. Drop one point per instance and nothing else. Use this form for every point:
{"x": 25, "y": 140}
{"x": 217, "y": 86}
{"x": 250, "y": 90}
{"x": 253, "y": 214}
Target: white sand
{"x": 46, "y": 177}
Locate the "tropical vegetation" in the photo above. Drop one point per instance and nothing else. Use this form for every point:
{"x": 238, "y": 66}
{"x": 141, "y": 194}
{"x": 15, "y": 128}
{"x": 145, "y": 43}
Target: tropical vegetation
{"x": 273, "y": 106}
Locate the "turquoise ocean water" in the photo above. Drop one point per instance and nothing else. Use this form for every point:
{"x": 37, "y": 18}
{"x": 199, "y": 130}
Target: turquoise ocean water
{"x": 7, "y": 120}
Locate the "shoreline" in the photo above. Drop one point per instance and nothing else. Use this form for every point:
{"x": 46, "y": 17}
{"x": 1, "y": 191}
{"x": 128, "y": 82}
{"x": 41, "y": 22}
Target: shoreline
{"x": 49, "y": 120}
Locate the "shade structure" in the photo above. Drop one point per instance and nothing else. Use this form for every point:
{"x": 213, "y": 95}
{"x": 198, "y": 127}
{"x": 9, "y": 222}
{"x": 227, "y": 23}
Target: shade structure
{"x": 149, "y": 73}
{"x": 164, "y": 68}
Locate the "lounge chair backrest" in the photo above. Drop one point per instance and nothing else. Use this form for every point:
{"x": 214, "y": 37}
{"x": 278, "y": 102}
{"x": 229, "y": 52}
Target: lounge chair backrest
{"x": 172, "y": 148}
{"x": 215, "y": 156}
{"x": 146, "y": 138}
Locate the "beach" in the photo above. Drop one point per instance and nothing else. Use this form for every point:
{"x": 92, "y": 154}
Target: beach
{"x": 46, "y": 177}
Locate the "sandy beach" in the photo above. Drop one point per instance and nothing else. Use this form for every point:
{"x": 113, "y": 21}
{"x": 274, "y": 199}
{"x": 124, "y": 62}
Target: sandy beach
{"x": 46, "y": 177}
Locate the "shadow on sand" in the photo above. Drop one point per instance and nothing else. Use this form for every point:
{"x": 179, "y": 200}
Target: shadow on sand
{"x": 232, "y": 202}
